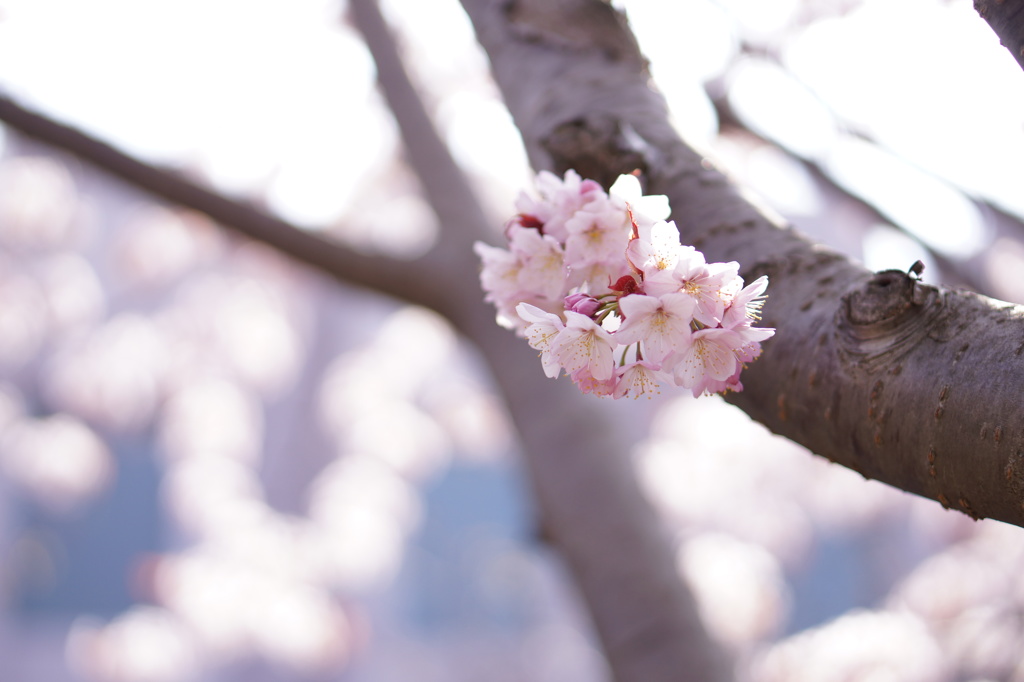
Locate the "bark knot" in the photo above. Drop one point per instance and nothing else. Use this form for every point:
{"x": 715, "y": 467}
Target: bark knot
{"x": 884, "y": 302}
{"x": 886, "y": 316}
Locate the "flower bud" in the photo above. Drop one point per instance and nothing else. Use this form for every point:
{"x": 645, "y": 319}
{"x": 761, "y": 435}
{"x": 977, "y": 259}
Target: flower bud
{"x": 581, "y": 303}
{"x": 626, "y": 285}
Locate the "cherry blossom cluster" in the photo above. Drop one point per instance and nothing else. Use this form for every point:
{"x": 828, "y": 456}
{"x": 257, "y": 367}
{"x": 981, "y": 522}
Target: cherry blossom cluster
{"x": 599, "y": 283}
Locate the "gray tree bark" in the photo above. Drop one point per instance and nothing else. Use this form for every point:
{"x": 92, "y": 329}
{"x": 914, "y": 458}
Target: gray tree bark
{"x": 1006, "y": 17}
{"x": 914, "y": 385}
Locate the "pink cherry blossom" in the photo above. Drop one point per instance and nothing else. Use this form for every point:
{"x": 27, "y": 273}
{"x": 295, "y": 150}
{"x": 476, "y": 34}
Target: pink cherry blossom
{"x": 661, "y": 323}
{"x": 708, "y": 284}
{"x": 659, "y": 250}
{"x": 499, "y": 276}
{"x": 600, "y": 285}
{"x": 543, "y": 328}
{"x": 647, "y": 210}
{"x": 711, "y": 354}
{"x": 560, "y": 199}
{"x": 709, "y": 386}
{"x": 637, "y": 379}
{"x": 597, "y": 279}
{"x": 749, "y": 345}
{"x": 745, "y": 306}
{"x": 598, "y": 233}
{"x": 584, "y": 344}
{"x": 587, "y": 383}
{"x": 542, "y": 269}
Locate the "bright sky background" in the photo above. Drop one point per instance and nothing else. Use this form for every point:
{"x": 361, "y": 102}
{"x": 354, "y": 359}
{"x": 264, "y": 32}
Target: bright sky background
{"x": 279, "y": 97}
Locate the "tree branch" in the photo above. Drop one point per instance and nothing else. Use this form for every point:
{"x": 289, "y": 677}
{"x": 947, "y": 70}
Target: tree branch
{"x": 445, "y": 186}
{"x": 589, "y": 501}
{"x": 958, "y": 271}
{"x": 1006, "y": 17}
{"x": 398, "y": 278}
{"x": 913, "y": 385}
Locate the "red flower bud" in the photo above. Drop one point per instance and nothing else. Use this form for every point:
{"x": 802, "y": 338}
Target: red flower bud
{"x": 626, "y": 285}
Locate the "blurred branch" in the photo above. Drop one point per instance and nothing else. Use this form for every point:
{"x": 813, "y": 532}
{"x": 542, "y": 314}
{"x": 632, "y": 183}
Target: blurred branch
{"x": 590, "y": 503}
{"x": 445, "y": 186}
{"x": 1006, "y": 17}
{"x": 910, "y": 384}
{"x": 961, "y": 273}
{"x": 401, "y": 279}
{"x": 968, "y": 272}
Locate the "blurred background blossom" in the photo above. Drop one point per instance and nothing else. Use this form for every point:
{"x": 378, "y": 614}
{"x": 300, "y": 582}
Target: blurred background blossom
{"x": 217, "y": 466}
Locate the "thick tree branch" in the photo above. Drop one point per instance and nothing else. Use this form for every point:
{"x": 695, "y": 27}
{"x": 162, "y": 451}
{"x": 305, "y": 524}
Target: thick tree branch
{"x": 1006, "y": 17}
{"x": 588, "y": 498}
{"x": 397, "y": 278}
{"x": 917, "y": 386}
